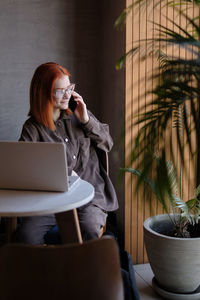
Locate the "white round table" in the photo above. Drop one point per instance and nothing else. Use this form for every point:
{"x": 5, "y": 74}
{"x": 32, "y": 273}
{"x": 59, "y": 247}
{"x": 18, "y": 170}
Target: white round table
{"x": 18, "y": 203}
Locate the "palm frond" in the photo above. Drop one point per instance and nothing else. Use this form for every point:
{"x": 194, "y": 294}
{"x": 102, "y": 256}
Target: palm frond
{"x": 120, "y": 63}
{"x": 185, "y": 210}
{"x": 121, "y": 20}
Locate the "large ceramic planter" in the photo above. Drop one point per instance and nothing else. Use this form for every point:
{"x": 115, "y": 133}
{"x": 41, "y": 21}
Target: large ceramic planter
{"x": 175, "y": 261}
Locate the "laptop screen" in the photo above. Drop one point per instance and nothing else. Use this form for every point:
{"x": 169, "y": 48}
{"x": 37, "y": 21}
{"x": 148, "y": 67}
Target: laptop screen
{"x": 33, "y": 166}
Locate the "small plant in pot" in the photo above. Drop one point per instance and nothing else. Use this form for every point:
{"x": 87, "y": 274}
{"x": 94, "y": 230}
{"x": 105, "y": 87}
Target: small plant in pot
{"x": 170, "y": 124}
{"x": 183, "y": 215}
{"x": 172, "y": 241}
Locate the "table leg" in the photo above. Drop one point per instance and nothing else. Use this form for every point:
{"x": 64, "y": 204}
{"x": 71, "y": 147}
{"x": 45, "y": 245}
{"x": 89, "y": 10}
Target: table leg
{"x": 69, "y": 227}
{"x": 11, "y": 225}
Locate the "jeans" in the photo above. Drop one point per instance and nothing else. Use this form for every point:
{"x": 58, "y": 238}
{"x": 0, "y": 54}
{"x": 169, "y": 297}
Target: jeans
{"x": 32, "y": 230}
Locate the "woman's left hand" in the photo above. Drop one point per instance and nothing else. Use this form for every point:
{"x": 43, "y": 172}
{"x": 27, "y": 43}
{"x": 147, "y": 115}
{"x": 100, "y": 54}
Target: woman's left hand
{"x": 81, "y": 108}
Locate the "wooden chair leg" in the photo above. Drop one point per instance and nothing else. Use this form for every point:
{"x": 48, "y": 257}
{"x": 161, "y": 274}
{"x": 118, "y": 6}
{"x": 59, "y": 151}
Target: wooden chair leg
{"x": 102, "y": 230}
{"x": 69, "y": 227}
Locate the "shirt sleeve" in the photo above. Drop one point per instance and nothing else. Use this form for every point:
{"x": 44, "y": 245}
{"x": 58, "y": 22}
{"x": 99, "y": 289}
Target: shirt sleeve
{"x": 98, "y": 132}
{"x": 29, "y": 133}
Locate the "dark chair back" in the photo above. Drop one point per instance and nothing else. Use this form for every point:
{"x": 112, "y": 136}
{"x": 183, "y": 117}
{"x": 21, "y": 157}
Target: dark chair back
{"x": 88, "y": 271}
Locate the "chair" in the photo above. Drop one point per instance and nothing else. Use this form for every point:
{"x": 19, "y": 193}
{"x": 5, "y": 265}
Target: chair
{"x": 88, "y": 271}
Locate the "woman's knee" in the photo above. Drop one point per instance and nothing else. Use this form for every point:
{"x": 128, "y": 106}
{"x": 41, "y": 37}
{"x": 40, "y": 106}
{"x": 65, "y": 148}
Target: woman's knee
{"x": 28, "y": 237}
{"x": 91, "y": 219}
{"x": 32, "y": 229}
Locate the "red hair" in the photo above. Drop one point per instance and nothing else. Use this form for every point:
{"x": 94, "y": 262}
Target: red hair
{"x": 41, "y": 92}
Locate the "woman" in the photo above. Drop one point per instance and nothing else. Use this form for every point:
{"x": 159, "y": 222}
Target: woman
{"x": 85, "y": 137}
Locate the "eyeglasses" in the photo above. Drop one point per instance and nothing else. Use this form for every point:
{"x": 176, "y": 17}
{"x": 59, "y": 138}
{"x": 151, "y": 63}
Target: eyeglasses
{"x": 59, "y": 93}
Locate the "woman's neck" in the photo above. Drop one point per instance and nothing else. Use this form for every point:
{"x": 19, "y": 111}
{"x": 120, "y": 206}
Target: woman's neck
{"x": 56, "y": 114}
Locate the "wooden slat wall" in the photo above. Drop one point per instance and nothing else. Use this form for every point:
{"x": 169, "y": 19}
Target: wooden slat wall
{"x": 139, "y": 26}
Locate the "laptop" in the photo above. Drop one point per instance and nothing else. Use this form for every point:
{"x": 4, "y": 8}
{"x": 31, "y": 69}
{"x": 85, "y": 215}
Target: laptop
{"x": 34, "y": 166}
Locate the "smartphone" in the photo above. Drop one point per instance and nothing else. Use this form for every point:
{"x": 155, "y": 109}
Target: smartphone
{"x": 72, "y": 104}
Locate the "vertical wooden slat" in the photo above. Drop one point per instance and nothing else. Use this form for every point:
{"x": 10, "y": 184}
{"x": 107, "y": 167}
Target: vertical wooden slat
{"x": 140, "y": 102}
{"x": 147, "y": 87}
{"x": 128, "y": 136}
{"x": 153, "y": 208}
{"x": 134, "y": 197}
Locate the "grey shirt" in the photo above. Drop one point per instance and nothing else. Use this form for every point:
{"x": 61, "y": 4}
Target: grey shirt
{"x": 83, "y": 143}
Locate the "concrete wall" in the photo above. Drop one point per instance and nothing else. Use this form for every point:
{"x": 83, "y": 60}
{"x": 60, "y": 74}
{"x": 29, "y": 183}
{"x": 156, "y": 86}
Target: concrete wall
{"x": 77, "y": 34}
{"x": 113, "y": 97}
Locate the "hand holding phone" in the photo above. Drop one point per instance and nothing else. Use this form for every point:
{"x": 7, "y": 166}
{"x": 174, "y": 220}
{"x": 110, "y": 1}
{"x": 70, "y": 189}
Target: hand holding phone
{"x": 78, "y": 107}
{"x": 72, "y": 104}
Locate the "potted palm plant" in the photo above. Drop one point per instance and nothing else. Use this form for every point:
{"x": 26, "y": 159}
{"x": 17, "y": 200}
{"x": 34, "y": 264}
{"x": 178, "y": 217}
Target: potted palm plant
{"x": 172, "y": 240}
